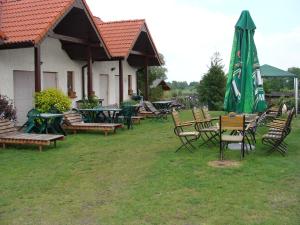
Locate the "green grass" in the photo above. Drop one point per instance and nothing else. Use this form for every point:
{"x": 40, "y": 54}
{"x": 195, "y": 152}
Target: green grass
{"x": 135, "y": 178}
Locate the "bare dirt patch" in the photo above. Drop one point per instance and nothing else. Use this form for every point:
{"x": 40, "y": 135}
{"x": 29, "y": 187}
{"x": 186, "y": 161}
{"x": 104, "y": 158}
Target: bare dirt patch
{"x": 224, "y": 163}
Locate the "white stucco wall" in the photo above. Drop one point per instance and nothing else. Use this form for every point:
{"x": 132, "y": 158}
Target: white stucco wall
{"x": 106, "y": 68}
{"x": 53, "y": 59}
{"x": 56, "y": 60}
{"x": 10, "y": 60}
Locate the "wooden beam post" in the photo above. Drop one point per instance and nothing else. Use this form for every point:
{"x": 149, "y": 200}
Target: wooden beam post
{"x": 89, "y": 72}
{"x": 37, "y": 68}
{"x": 121, "y": 88}
{"x": 146, "y": 94}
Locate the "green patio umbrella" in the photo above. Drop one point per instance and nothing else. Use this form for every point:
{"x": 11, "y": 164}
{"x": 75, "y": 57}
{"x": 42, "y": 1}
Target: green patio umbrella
{"x": 244, "y": 88}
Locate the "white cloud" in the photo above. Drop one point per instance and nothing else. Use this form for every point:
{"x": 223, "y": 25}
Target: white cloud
{"x": 188, "y": 35}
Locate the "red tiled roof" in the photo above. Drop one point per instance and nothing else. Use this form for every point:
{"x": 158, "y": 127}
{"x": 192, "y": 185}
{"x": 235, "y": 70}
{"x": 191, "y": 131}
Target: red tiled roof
{"x": 29, "y": 20}
{"x": 120, "y": 36}
{"x": 2, "y": 35}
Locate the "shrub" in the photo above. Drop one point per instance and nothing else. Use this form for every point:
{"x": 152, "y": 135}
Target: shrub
{"x": 89, "y": 103}
{"x": 289, "y": 101}
{"x": 52, "y": 98}
{"x": 7, "y": 109}
{"x": 156, "y": 94}
{"x": 129, "y": 102}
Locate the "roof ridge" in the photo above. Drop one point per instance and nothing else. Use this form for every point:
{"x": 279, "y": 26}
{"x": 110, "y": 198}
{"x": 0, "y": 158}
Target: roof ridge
{"x": 124, "y": 21}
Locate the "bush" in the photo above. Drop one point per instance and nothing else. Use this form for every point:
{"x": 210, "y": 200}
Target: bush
{"x": 290, "y": 102}
{"x": 156, "y": 94}
{"x": 129, "y": 102}
{"x": 89, "y": 103}
{"x": 52, "y": 98}
{"x": 7, "y": 109}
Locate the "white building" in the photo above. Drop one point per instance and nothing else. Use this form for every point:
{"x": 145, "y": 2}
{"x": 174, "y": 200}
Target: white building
{"x": 58, "y": 43}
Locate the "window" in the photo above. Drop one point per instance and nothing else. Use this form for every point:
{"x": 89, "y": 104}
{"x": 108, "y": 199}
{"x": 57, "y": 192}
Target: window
{"x": 70, "y": 84}
{"x": 130, "y": 91}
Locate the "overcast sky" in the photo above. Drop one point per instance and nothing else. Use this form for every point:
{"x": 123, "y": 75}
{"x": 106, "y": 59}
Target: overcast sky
{"x": 188, "y": 32}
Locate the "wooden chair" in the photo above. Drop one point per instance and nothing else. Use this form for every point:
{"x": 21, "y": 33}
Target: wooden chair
{"x": 186, "y": 137}
{"x": 208, "y": 132}
{"x": 279, "y": 129}
{"x": 10, "y": 135}
{"x": 236, "y": 125}
{"x": 273, "y": 113}
{"x": 209, "y": 119}
{"x": 73, "y": 121}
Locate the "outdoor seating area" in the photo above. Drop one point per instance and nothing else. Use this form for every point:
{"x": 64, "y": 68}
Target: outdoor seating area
{"x": 233, "y": 128}
{"x": 115, "y": 175}
{"x": 98, "y": 126}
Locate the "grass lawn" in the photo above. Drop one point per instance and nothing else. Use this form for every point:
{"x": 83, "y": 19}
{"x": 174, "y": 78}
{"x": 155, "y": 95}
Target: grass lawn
{"x": 135, "y": 178}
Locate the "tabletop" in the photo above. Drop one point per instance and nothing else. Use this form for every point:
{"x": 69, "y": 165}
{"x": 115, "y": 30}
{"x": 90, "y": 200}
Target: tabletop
{"x": 162, "y": 102}
{"x": 100, "y": 109}
{"x": 50, "y": 115}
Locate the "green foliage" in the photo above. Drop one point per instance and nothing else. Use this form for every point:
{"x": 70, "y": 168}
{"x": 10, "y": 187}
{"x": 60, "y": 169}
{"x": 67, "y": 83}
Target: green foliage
{"x": 129, "y": 102}
{"x": 89, "y": 103}
{"x": 278, "y": 84}
{"x": 212, "y": 87}
{"x": 156, "y": 94}
{"x": 154, "y": 72}
{"x": 295, "y": 70}
{"x": 7, "y": 109}
{"x": 52, "y": 98}
{"x": 290, "y": 102}
{"x": 179, "y": 85}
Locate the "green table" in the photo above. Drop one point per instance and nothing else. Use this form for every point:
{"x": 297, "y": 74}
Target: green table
{"x": 93, "y": 114}
{"x": 163, "y": 105}
{"x": 52, "y": 122}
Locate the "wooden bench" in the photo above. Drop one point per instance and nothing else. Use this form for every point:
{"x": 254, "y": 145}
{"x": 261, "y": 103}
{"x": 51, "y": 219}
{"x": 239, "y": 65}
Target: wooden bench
{"x": 10, "y": 135}
{"x": 73, "y": 121}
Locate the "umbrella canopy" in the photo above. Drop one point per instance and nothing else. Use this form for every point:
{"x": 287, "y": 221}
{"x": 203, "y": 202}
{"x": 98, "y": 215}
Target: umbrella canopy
{"x": 244, "y": 88}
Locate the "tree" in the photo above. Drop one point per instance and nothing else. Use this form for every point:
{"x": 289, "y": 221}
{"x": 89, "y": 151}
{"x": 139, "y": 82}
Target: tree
{"x": 154, "y": 72}
{"x": 211, "y": 89}
{"x": 295, "y": 70}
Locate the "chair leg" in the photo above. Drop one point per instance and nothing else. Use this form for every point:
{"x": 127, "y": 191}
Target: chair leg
{"x": 221, "y": 150}
{"x": 243, "y": 150}
{"x": 184, "y": 144}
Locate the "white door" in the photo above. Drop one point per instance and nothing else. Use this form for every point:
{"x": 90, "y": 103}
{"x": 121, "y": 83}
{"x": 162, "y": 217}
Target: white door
{"x": 23, "y": 94}
{"x": 117, "y": 95}
{"x": 104, "y": 89}
{"x": 49, "y": 80}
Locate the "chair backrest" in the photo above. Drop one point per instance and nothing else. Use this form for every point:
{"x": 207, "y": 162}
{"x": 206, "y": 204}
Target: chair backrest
{"x": 232, "y": 122}
{"x": 279, "y": 112}
{"x": 198, "y": 115}
{"x": 176, "y": 118}
{"x": 149, "y": 106}
{"x": 7, "y": 127}
{"x": 72, "y": 117}
{"x": 205, "y": 113}
{"x": 291, "y": 114}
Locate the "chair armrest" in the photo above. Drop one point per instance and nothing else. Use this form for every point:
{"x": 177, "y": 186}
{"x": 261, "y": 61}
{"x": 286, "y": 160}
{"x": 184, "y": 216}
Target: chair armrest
{"x": 187, "y": 123}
